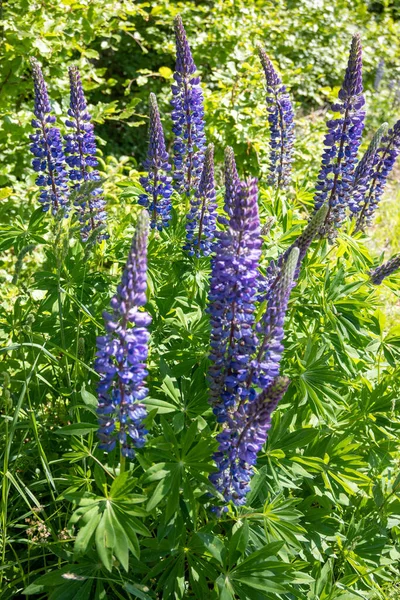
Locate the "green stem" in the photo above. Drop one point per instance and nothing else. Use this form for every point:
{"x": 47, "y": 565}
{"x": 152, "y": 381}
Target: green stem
{"x": 122, "y": 464}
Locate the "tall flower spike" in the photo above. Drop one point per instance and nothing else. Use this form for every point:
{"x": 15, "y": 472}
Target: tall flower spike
{"x": 232, "y": 294}
{"x": 201, "y": 219}
{"x": 187, "y": 116}
{"x": 122, "y": 354}
{"x": 242, "y": 440}
{"x": 81, "y": 158}
{"x": 280, "y": 117}
{"x": 157, "y": 183}
{"x": 246, "y": 427}
{"x": 46, "y": 147}
{"x": 342, "y": 141}
{"x": 383, "y": 164}
{"x": 365, "y": 171}
{"x": 388, "y": 268}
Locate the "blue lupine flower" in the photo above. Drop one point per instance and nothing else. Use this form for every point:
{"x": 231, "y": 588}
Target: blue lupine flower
{"x": 47, "y": 149}
{"x": 232, "y": 293}
{"x": 187, "y": 116}
{"x": 342, "y": 141}
{"x": 242, "y": 440}
{"x": 383, "y": 164}
{"x": 157, "y": 183}
{"x": 201, "y": 219}
{"x": 388, "y": 268}
{"x": 81, "y": 158}
{"x": 365, "y": 170}
{"x": 122, "y": 354}
{"x": 281, "y": 124}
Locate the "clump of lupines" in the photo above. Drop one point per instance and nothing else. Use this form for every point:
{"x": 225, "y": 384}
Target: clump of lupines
{"x": 383, "y": 164}
{"x": 281, "y": 124}
{"x": 365, "y": 170}
{"x": 388, "y": 268}
{"x": 232, "y": 294}
{"x": 81, "y": 157}
{"x": 201, "y": 219}
{"x": 342, "y": 141}
{"x": 247, "y": 423}
{"x": 47, "y": 149}
{"x": 122, "y": 353}
{"x": 157, "y": 183}
{"x": 187, "y": 116}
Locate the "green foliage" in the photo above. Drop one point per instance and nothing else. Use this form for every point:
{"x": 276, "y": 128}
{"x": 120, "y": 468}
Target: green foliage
{"x": 322, "y": 518}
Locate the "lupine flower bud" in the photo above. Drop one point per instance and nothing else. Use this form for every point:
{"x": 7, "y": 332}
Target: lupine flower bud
{"x": 157, "y": 183}
{"x": 232, "y": 182}
{"x": 365, "y": 170}
{"x": 231, "y": 300}
{"x": 388, "y": 268}
{"x": 47, "y": 149}
{"x": 265, "y": 366}
{"x": 187, "y": 116}
{"x": 384, "y": 161}
{"x": 122, "y": 354}
{"x": 342, "y": 141}
{"x": 303, "y": 242}
{"x": 201, "y": 220}
{"x": 81, "y": 158}
{"x": 379, "y": 74}
{"x": 280, "y": 117}
{"x": 242, "y": 440}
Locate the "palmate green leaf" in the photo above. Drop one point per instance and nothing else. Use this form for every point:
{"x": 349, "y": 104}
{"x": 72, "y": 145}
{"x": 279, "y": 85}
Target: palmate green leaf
{"x": 110, "y": 521}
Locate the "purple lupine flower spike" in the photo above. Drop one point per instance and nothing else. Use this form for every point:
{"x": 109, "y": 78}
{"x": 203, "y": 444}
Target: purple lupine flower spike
{"x": 157, "y": 183}
{"x": 365, "y": 171}
{"x": 281, "y": 121}
{"x": 385, "y": 159}
{"x": 47, "y": 149}
{"x": 122, "y": 354}
{"x": 202, "y": 217}
{"x": 242, "y": 440}
{"x": 247, "y": 426}
{"x": 81, "y": 158}
{"x": 388, "y": 268}
{"x": 232, "y": 294}
{"x": 187, "y": 116}
{"x": 342, "y": 141}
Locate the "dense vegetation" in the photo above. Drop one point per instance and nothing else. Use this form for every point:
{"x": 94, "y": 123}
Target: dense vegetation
{"x": 321, "y": 521}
